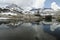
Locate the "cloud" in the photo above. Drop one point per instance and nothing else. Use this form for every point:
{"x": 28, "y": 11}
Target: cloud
{"x": 26, "y": 4}
{"x": 39, "y": 3}
{"x": 54, "y": 6}
{"x": 22, "y": 3}
{"x": 18, "y": 2}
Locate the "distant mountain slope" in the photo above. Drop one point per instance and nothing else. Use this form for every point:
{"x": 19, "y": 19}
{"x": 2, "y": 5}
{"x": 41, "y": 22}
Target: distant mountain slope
{"x": 13, "y": 7}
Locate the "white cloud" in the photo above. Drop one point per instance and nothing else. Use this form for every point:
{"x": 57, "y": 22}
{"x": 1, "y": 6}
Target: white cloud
{"x": 26, "y": 3}
{"x": 18, "y": 2}
{"x": 39, "y": 3}
{"x": 54, "y": 6}
{"x": 22, "y": 3}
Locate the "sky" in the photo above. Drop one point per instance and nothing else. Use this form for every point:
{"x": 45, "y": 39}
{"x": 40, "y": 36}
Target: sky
{"x": 54, "y": 4}
{"x": 48, "y": 3}
{"x": 28, "y": 4}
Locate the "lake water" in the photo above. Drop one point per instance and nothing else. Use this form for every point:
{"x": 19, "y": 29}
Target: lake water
{"x": 56, "y": 33}
{"x": 26, "y": 31}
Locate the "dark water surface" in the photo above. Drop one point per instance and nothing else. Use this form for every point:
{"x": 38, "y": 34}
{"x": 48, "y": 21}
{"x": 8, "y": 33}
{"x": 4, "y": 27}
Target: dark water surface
{"x": 25, "y": 31}
{"x": 56, "y": 33}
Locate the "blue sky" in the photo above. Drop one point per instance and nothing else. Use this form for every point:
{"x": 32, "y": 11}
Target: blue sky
{"x": 28, "y": 4}
{"x": 48, "y": 3}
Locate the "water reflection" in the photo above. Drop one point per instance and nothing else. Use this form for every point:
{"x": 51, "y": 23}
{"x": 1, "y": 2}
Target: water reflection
{"x": 26, "y": 31}
{"x": 56, "y": 32}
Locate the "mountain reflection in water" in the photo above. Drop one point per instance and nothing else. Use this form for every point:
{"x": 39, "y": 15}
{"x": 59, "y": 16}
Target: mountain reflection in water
{"x": 26, "y": 31}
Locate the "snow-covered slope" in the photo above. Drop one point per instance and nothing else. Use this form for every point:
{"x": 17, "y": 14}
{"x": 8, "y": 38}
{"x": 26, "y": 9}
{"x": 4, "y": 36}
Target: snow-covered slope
{"x": 10, "y": 6}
